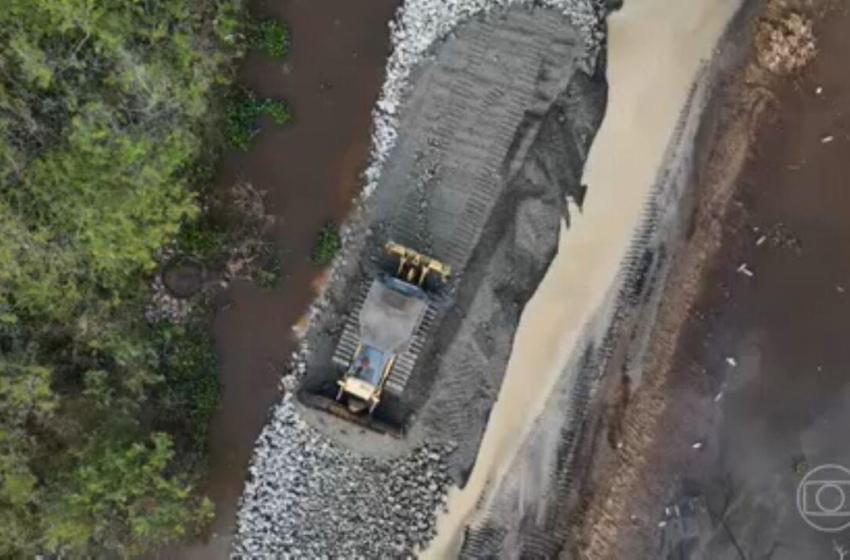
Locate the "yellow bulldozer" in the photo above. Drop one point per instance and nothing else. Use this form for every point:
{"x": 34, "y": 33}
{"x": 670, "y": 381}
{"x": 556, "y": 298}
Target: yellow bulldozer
{"x": 378, "y": 350}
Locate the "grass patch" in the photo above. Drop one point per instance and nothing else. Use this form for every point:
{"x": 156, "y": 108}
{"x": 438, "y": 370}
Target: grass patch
{"x": 270, "y": 37}
{"x": 328, "y": 244}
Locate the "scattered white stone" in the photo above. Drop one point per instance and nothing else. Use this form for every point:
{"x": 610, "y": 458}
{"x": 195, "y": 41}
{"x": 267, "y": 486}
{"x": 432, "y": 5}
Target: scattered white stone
{"x": 760, "y": 241}
{"x": 827, "y": 139}
{"x": 732, "y": 362}
{"x": 662, "y": 524}
{"x": 745, "y": 270}
{"x": 819, "y": 90}
{"x": 697, "y": 445}
{"x": 718, "y": 396}
{"x": 308, "y": 498}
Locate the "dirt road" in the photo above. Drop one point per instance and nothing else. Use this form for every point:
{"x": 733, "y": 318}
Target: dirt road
{"x": 633, "y": 174}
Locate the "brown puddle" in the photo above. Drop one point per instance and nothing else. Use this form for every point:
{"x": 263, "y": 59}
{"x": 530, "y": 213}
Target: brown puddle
{"x": 310, "y": 170}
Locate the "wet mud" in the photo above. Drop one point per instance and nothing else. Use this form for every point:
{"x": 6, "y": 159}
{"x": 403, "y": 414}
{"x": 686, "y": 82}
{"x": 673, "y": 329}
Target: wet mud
{"x": 608, "y": 268}
{"x": 782, "y": 409}
{"x": 749, "y": 391}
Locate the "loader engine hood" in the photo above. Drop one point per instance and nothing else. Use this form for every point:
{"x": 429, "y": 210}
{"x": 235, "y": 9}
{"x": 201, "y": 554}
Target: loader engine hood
{"x": 391, "y": 314}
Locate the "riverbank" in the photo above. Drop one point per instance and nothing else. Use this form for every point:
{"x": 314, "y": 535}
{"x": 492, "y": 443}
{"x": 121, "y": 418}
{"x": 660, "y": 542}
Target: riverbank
{"x": 308, "y": 172}
{"x": 691, "y": 459}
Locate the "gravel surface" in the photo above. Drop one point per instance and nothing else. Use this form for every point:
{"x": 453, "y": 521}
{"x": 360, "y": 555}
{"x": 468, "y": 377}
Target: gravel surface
{"x": 422, "y": 23}
{"x": 309, "y": 498}
{"x": 308, "y": 495}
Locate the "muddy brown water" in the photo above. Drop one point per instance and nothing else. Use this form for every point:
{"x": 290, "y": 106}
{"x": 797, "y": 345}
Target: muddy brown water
{"x": 783, "y": 401}
{"x": 310, "y": 171}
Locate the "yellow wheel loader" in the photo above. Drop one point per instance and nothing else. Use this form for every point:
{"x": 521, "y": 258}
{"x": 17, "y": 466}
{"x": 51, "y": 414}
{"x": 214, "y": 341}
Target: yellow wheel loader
{"x": 384, "y": 337}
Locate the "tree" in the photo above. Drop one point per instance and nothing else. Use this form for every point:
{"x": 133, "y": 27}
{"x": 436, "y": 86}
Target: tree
{"x": 106, "y": 109}
{"x": 120, "y": 499}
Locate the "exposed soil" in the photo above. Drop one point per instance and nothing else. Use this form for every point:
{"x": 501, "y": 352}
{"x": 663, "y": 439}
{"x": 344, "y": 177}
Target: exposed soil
{"x": 530, "y": 512}
{"x": 310, "y": 170}
{"x": 751, "y": 390}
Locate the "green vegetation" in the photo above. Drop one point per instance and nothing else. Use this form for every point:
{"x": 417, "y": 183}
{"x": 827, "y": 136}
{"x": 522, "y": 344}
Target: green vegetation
{"x": 106, "y": 125}
{"x": 271, "y": 38}
{"x": 244, "y": 114}
{"x": 269, "y": 274}
{"x": 328, "y": 244}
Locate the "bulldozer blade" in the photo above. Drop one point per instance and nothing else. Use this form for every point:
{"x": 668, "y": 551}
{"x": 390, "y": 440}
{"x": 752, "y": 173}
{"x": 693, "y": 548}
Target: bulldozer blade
{"x": 338, "y": 409}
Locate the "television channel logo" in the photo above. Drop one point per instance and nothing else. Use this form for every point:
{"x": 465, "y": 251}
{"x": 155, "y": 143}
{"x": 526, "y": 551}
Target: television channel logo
{"x": 823, "y": 498}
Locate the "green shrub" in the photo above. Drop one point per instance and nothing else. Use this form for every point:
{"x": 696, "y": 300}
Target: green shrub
{"x": 270, "y": 37}
{"x": 269, "y": 274}
{"x": 189, "y": 394}
{"x": 242, "y": 121}
{"x": 328, "y": 244}
{"x": 203, "y": 239}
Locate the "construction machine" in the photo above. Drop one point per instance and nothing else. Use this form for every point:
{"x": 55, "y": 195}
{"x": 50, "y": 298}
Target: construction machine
{"x": 388, "y": 332}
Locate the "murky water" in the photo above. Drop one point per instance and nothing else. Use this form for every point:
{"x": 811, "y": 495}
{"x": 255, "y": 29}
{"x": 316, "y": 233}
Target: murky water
{"x": 656, "y": 48}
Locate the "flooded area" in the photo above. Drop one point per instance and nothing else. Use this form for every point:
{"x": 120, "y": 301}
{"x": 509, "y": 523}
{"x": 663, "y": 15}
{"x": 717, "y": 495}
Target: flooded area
{"x": 310, "y": 170}
{"x": 655, "y": 51}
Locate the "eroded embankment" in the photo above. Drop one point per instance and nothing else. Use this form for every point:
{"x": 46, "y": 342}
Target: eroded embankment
{"x": 626, "y": 487}
{"x": 637, "y": 177}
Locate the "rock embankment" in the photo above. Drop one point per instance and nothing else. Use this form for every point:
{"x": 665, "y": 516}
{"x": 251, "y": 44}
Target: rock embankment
{"x": 308, "y": 498}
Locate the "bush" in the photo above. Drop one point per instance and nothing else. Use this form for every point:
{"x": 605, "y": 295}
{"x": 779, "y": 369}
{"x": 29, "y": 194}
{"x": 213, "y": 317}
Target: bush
{"x": 271, "y": 38}
{"x": 189, "y": 394}
{"x": 242, "y": 121}
{"x": 328, "y": 244}
{"x": 202, "y": 239}
{"x": 269, "y": 274}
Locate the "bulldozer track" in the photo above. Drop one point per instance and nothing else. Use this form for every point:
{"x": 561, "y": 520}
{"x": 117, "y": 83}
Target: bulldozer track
{"x": 471, "y": 114}
{"x": 470, "y": 127}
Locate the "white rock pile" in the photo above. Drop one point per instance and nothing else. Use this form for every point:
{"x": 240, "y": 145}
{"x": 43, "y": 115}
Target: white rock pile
{"x": 165, "y": 307}
{"x": 307, "y": 498}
